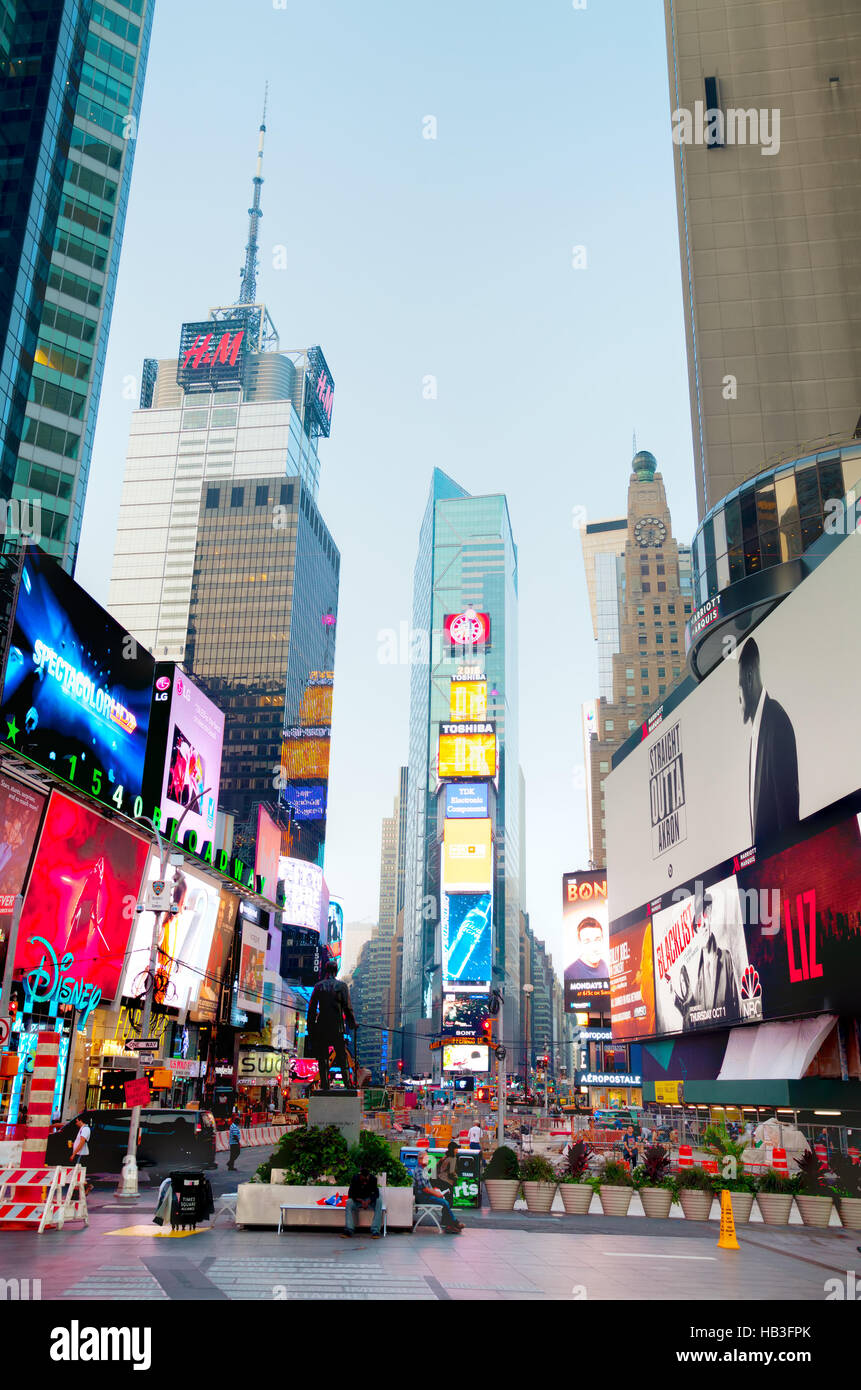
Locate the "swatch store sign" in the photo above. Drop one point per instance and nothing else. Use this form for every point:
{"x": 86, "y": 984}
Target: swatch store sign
{"x": 259, "y": 1069}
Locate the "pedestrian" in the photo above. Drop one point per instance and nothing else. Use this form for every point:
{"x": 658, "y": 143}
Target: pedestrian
{"x": 81, "y": 1146}
{"x": 429, "y": 1196}
{"x": 234, "y": 1138}
{"x": 473, "y": 1137}
{"x": 446, "y": 1172}
{"x": 362, "y": 1194}
{"x": 629, "y": 1147}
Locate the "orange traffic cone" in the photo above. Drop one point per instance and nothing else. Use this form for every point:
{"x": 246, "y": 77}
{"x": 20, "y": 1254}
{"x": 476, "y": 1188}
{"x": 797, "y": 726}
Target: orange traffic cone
{"x": 727, "y": 1239}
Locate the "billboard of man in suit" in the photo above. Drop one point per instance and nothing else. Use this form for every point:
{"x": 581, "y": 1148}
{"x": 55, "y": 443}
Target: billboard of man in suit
{"x": 773, "y": 762}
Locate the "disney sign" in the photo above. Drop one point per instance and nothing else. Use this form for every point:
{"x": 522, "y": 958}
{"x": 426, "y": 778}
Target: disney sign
{"x": 50, "y": 983}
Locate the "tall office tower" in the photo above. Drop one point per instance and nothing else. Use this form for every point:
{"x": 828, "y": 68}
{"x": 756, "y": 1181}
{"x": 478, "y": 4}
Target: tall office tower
{"x": 465, "y": 623}
{"x": 70, "y": 97}
{"x": 392, "y": 852}
{"x": 223, "y": 561}
{"x": 644, "y": 617}
{"x": 768, "y": 202}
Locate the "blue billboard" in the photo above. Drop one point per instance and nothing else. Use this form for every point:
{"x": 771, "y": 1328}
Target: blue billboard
{"x": 467, "y": 938}
{"x": 466, "y": 801}
{"x": 308, "y": 799}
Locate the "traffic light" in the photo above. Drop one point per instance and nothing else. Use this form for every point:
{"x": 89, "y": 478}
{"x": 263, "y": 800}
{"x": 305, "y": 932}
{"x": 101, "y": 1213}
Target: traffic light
{"x": 487, "y": 1030}
{"x": 400, "y": 1064}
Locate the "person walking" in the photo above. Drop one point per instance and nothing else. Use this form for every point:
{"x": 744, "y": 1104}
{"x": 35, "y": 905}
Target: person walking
{"x": 446, "y": 1172}
{"x": 474, "y": 1136}
{"x": 81, "y": 1147}
{"x": 362, "y": 1194}
{"x": 234, "y": 1138}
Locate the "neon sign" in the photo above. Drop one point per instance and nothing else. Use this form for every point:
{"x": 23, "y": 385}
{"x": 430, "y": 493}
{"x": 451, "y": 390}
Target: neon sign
{"x": 47, "y": 984}
{"x": 80, "y": 688}
{"x": 200, "y": 353}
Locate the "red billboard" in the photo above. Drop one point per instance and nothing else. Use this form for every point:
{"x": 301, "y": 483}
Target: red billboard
{"x": 20, "y": 812}
{"x": 632, "y": 982}
{"x": 467, "y": 629}
{"x": 268, "y": 852}
{"x": 81, "y": 899}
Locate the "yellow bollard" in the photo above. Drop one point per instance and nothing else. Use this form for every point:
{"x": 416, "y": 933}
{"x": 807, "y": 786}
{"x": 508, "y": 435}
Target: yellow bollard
{"x": 727, "y": 1239}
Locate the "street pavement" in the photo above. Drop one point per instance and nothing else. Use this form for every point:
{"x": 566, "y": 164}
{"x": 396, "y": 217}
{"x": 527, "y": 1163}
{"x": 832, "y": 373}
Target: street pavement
{"x": 122, "y": 1255}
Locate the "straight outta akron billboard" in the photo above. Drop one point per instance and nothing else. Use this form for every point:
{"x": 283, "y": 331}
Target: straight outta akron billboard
{"x": 734, "y": 830}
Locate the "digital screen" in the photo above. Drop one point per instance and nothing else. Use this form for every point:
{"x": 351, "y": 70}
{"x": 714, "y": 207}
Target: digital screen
{"x": 465, "y": 1057}
{"x": 464, "y": 1083}
{"x": 267, "y": 854}
{"x": 467, "y": 938}
{"x": 463, "y": 1014}
{"x": 183, "y": 764}
{"x": 467, "y": 856}
{"x": 466, "y": 754}
{"x": 206, "y": 1010}
{"x": 305, "y": 754}
{"x": 301, "y": 955}
{"x": 468, "y": 700}
{"x": 212, "y": 355}
{"x": 252, "y": 966}
{"x": 82, "y": 894}
{"x": 303, "y": 890}
{"x": 308, "y": 800}
{"x": 467, "y": 800}
{"x": 335, "y": 929}
{"x": 632, "y": 982}
{"x": 467, "y": 629}
{"x": 586, "y": 932}
{"x": 76, "y": 698}
{"x": 184, "y": 938}
{"x": 20, "y": 813}
{"x": 319, "y": 391}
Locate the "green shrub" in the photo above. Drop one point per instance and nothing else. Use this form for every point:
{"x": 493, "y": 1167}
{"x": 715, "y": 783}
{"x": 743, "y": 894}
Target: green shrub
{"x": 776, "y": 1184}
{"x": 575, "y": 1167}
{"x": 502, "y": 1165}
{"x": 374, "y": 1153}
{"x": 716, "y": 1138}
{"x": 614, "y": 1174}
{"x": 696, "y": 1179}
{"x": 308, "y": 1155}
{"x": 537, "y": 1169}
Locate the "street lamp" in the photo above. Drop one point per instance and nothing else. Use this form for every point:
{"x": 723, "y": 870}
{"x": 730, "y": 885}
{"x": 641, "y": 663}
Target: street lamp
{"x": 528, "y": 990}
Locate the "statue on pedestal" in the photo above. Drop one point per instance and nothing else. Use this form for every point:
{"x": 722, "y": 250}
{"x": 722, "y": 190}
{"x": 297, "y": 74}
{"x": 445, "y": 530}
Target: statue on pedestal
{"x": 330, "y": 1013}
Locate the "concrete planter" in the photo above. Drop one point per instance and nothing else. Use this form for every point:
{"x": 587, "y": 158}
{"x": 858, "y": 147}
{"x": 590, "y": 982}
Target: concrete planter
{"x": 502, "y": 1193}
{"x": 615, "y": 1200}
{"x": 695, "y": 1204}
{"x": 775, "y": 1207}
{"x": 259, "y": 1204}
{"x": 742, "y": 1206}
{"x": 850, "y": 1212}
{"x": 656, "y": 1201}
{"x": 815, "y": 1211}
{"x": 576, "y": 1197}
{"x": 539, "y": 1195}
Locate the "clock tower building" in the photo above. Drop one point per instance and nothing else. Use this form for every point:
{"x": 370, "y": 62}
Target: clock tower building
{"x": 653, "y": 600}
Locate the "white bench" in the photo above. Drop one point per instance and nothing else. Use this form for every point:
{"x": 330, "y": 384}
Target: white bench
{"x": 298, "y": 1206}
{"x": 427, "y": 1211}
{"x": 226, "y": 1207}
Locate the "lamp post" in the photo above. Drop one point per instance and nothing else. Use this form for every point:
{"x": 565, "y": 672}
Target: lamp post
{"x": 528, "y": 990}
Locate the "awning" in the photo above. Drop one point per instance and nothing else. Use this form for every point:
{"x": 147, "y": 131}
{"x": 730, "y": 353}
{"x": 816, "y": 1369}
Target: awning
{"x": 774, "y": 1051}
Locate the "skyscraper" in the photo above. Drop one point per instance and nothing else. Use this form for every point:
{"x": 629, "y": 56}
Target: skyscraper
{"x": 223, "y": 561}
{"x": 465, "y": 583}
{"x": 642, "y": 600}
{"x": 72, "y": 82}
{"x": 768, "y": 205}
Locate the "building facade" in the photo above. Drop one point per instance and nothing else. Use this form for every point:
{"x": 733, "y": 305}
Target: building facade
{"x": 71, "y": 97}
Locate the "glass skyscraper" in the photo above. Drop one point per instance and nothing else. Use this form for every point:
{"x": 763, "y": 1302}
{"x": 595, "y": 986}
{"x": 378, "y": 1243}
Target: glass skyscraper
{"x": 467, "y": 560}
{"x": 72, "y": 82}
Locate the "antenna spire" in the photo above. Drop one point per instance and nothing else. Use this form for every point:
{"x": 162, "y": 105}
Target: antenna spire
{"x": 248, "y": 287}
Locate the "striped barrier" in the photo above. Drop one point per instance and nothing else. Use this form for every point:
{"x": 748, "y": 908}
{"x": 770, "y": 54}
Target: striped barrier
{"x": 779, "y": 1163}
{"x": 36, "y": 1198}
{"x": 686, "y": 1156}
{"x": 42, "y": 1085}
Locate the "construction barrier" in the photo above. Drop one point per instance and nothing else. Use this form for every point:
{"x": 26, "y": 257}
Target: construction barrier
{"x": 779, "y": 1163}
{"x": 36, "y": 1198}
{"x": 42, "y": 1086}
{"x": 686, "y": 1156}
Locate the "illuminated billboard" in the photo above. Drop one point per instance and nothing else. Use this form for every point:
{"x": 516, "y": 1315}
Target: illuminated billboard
{"x": 468, "y": 699}
{"x": 467, "y": 938}
{"x": 585, "y": 926}
{"x": 183, "y": 762}
{"x": 252, "y": 967}
{"x": 465, "y": 800}
{"x": 632, "y": 982}
{"x": 184, "y": 938}
{"x": 212, "y": 355}
{"x": 467, "y": 856}
{"x": 303, "y": 892}
{"x": 81, "y": 898}
{"x": 319, "y": 392}
{"x": 305, "y": 753}
{"x": 465, "y": 1057}
{"x": 267, "y": 854}
{"x": 467, "y": 750}
{"x": 466, "y": 631}
{"x": 335, "y": 929}
{"x": 20, "y": 813}
{"x": 206, "y": 1009}
{"x": 307, "y": 801}
{"x": 463, "y": 1013}
{"x": 76, "y": 698}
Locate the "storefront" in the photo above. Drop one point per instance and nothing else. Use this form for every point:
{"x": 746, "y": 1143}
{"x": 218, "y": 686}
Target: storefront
{"x": 610, "y": 1090}
{"x": 261, "y": 1078}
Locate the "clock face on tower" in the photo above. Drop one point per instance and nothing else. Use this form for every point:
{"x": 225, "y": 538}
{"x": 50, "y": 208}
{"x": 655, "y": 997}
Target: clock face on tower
{"x": 650, "y": 530}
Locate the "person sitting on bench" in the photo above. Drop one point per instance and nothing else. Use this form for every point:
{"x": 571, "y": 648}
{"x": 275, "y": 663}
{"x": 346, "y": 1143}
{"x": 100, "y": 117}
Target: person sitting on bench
{"x": 363, "y": 1193}
{"x": 429, "y": 1196}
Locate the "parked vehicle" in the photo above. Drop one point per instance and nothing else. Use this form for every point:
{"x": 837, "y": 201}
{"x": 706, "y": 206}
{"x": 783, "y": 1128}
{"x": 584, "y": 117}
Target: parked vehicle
{"x": 167, "y": 1138}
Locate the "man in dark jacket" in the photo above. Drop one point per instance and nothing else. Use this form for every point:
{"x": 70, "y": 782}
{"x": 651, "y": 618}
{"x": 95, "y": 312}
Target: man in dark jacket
{"x": 773, "y": 761}
{"x": 329, "y": 1012}
{"x": 363, "y": 1193}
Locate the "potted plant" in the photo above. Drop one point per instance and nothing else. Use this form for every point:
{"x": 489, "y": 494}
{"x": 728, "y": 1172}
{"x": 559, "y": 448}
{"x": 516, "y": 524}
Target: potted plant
{"x": 742, "y": 1190}
{"x": 696, "y": 1192}
{"x": 774, "y": 1194}
{"x": 539, "y": 1182}
{"x": 654, "y": 1181}
{"x": 501, "y": 1179}
{"x": 615, "y": 1187}
{"x": 815, "y": 1199}
{"x": 574, "y": 1186}
{"x": 847, "y": 1190}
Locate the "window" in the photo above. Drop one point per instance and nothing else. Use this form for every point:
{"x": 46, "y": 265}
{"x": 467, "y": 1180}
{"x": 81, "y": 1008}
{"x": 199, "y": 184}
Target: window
{"x": 671, "y": 608}
{"x": 662, "y": 690}
{"x": 603, "y": 767}
{"x": 237, "y": 496}
{"x": 644, "y": 569}
{"x": 222, "y": 419}
{"x": 286, "y": 494}
{"x": 213, "y": 496}
{"x": 642, "y": 638}
{"x": 632, "y": 724}
{"x": 644, "y": 674}
{"x": 661, "y": 671}
{"x": 673, "y": 637}
{"x": 194, "y": 419}
{"x": 656, "y": 608}
{"x": 659, "y": 637}
{"x": 645, "y": 692}
{"x": 261, "y": 495}
{"x": 641, "y": 612}
{"x": 662, "y": 588}
{"x": 647, "y": 588}
{"x": 609, "y": 724}
{"x": 660, "y": 570}
{"x": 630, "y": 673}
{"x": 630, "y": 692}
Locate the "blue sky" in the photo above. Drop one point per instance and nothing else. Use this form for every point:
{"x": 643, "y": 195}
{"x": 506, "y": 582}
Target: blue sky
{"x": 406, "y": 258}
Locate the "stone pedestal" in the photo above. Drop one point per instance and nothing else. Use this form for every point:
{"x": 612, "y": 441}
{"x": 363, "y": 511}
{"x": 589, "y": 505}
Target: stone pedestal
{"x": 343, "y": 1109}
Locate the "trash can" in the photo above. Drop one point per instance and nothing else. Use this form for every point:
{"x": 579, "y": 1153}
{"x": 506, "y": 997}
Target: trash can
{"x": 192, "y": 1199}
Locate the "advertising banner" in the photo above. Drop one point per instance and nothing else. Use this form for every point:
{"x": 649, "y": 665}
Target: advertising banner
{"x": 466, "y": 800}
{"x": 465, "y": 1057}
{"x": 467, "y": 750}
{"x": 467, "y": 856}
{"x": 184, "y": 939}
{"x": 252, "y": 967}
{"x": 81, "y": 899}
{"x": 632, "y": 983}
{"x": 76, "y": 698}
{"x": 335, "y": 928}
{"x": 267, "y": 854}
{"x": 206, "y": 1010}
{"x": 463, "y": 1013}
{"x": 183, "y": 762}
{"x": 467, "y": 630}
{"x": 212, "y": 355}
{"x": 467, "y": 938}
{"x": 586, "y": 933}
{"x": 20, "y": 813}
{"x": 308, "y": 800}
{"x": 468, "y": 699}
{"x": 303, "y": 891}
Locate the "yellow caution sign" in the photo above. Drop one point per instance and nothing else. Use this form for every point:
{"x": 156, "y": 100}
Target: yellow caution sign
{"x": 727, "y": 1239}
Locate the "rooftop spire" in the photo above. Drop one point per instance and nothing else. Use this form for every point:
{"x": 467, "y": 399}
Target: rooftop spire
{"x": 248, "y": 287}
